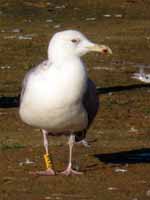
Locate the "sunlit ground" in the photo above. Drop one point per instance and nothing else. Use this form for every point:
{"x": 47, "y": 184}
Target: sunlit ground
{"x": 117, "y": 165}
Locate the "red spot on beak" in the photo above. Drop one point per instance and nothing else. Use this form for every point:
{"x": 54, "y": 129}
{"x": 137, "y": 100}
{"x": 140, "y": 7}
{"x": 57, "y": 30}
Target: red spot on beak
{"x": 105, "y": 51}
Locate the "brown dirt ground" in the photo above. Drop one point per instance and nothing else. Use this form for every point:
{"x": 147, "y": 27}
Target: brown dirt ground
{"x": 116, "y": 166}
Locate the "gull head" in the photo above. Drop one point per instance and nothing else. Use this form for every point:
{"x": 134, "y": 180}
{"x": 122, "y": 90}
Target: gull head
{"x": 72, "y": 43}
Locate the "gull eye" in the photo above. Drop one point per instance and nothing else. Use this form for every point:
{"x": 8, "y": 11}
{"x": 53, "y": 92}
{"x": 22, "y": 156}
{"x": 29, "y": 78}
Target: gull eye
{"x": 75, "y": 40}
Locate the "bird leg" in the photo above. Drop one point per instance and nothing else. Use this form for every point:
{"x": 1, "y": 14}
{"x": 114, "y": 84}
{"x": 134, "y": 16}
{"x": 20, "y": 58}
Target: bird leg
{"x": 69, "y": 169}
{"x": 48, "y": 162}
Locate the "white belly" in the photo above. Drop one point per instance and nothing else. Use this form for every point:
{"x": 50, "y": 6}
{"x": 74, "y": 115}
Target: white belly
{"x": 71, "y": 118}
{"x": 55, "y": 104}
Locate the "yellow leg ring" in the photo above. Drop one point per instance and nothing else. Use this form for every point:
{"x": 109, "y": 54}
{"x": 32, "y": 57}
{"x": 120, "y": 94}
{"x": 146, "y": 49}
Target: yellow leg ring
{"x": 48, "y": 161}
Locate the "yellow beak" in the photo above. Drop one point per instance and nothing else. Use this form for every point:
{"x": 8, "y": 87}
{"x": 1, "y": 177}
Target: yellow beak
{"x": 103, "y": 49}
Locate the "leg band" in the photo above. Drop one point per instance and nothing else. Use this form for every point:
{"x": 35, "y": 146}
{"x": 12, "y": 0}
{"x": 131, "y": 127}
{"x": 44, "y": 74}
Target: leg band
{"x": 48, "y": 161}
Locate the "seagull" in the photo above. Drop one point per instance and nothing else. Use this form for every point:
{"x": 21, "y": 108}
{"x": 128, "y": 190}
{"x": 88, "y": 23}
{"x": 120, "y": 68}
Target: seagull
{"x": 58, "y": 97}
{"x": 142, "y": 76}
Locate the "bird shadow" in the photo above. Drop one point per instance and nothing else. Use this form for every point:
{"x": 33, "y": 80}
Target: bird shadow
{"x": 10, "y": 102}
{"x": 125, "y": 157}
{"x": 120, "y": 88}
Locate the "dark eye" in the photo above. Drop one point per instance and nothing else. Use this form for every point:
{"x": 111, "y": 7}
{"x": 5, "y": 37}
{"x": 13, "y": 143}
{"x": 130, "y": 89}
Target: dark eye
{"x": 75, "y": 40}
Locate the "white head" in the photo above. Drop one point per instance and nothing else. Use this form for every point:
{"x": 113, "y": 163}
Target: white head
{"x": 72, "y": 43}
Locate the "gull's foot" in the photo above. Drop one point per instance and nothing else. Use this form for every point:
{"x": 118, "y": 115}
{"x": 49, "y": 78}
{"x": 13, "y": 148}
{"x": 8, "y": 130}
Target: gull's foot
{"x": 70, "y": 171}
{"x": 48, "y": 172}
{"x": 136, "y": 76}
{"x": 142, "y": 77}
{"x": 84, "y": 143}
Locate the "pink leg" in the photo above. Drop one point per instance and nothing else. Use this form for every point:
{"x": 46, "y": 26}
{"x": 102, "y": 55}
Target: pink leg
{"x": 49, "y": 170}
{"x": 69, "y": 169}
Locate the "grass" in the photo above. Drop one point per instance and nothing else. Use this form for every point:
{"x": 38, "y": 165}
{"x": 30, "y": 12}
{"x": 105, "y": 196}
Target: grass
{"x": 7, "y": 145}
{"x": 146, "y": 111}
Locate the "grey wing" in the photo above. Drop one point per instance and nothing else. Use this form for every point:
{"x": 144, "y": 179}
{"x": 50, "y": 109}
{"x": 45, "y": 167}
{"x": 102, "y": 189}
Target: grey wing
{"x": 91, "y": 105}
{"x": 27, "y": 76}
{"x": 24, "y": 83}
{"x": 91, "y": 101}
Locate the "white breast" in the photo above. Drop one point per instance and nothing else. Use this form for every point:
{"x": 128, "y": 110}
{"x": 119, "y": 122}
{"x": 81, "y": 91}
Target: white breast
{"x": 53, "y": 98}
